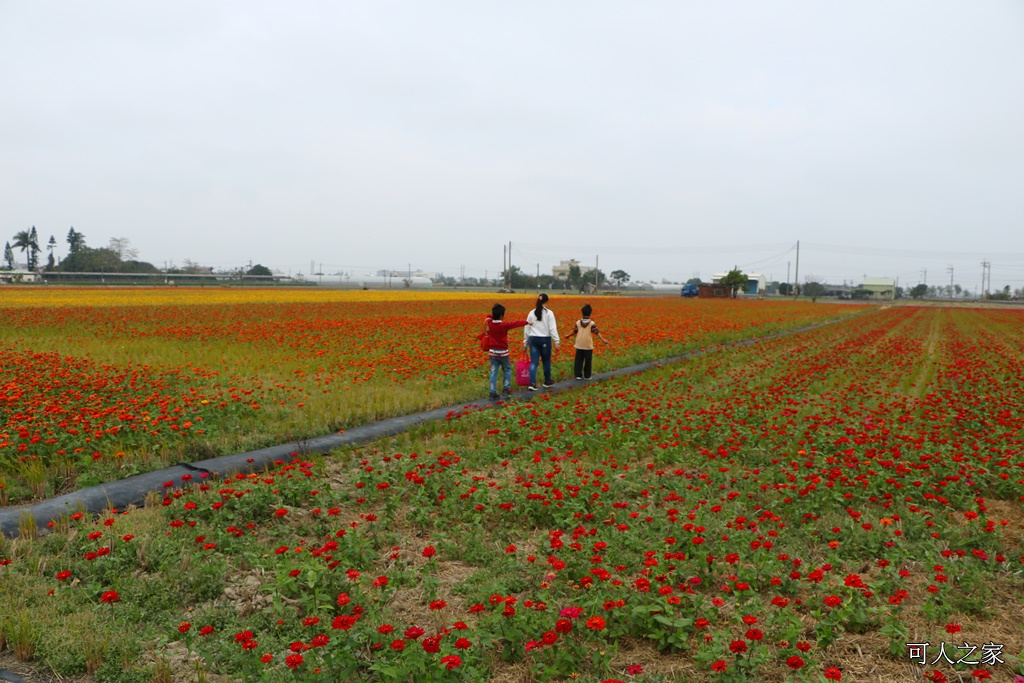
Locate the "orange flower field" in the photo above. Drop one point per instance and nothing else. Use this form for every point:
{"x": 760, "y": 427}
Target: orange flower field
{"x": 843, "y": 503}
{"x": 97, "y": 384}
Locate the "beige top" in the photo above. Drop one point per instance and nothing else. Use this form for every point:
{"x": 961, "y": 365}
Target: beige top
{"x": 585, "y": 330}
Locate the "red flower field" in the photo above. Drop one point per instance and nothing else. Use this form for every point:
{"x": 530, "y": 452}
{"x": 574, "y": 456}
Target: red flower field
{"x": 843, "y": 503}
{"x": 92, "y": 388}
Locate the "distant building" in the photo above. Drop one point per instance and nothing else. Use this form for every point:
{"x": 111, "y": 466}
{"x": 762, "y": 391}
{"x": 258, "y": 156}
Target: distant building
{"x": 397, "y": 281}
{"x": 406, "y": 273}
{"x": 562, "y": 269}
{"x": 20, "y": 275}
{"x": 756, "y": 283}
{"x": 879, "y": 287}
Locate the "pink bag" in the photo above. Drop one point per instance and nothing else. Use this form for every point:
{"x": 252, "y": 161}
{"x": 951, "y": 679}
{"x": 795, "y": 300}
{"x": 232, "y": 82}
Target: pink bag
{"x": 522, "y": 372}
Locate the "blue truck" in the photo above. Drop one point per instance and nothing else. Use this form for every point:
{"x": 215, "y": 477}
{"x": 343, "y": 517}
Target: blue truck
{"x": 689, "y": 289}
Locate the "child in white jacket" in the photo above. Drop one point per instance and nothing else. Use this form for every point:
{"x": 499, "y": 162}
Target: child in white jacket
{"x": 541, "y": 332}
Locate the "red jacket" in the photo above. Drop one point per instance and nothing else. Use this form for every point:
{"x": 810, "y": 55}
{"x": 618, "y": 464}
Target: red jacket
{"x": 497, "y": 334}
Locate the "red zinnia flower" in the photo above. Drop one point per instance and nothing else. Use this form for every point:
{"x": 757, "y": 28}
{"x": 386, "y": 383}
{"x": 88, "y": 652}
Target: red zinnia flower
{"x": 596, "y": 623}
{"x": 795, "y": 662}
{"x": 432, "y": 644}
{"x": 833, "y": 674}
{"x": 451, "y": 661}
{"x": 110, "y": 597}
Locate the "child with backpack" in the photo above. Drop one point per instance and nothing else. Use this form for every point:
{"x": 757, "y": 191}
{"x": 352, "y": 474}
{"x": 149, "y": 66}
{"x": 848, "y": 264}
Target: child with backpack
{"x": 585, "y": 331}
{"x": 495, "y": 340}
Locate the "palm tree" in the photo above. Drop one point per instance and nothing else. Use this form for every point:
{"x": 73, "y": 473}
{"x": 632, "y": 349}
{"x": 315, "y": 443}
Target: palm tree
{"x": 28, "y": 241}
{"x": 23, "y": 241}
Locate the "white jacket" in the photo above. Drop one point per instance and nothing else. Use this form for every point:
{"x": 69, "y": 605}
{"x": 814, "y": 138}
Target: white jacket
{"x": 545, "y": 327}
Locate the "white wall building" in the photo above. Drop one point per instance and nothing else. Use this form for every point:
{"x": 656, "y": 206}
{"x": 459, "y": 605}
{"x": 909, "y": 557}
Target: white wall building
{"x": 756, "y": 282}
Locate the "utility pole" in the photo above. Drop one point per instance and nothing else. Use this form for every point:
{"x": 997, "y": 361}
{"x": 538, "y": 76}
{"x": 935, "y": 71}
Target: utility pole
{"x": 986, "y": 266}
{"x": 796, "y": 277}
{"x": 950, "y": 269}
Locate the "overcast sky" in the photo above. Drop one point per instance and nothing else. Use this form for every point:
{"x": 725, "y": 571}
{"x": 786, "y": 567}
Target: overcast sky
{"x": 666, "y": 138}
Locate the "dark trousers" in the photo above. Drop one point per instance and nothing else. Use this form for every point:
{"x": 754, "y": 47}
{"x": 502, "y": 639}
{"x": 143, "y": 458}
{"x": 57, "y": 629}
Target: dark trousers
{"x": 582, "y": 363}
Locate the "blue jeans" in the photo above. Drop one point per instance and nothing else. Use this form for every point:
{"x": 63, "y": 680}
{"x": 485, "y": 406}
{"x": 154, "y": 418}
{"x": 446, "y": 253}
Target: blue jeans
{"x": 501, "y": 362}
{"x": 540, "y": 350}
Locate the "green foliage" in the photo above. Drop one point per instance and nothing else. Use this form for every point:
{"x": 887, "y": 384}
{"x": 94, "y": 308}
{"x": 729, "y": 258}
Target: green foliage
{"x": 735, "y": 279}
{"x": 28, "y": 242}
{"x": 814, "y": 290}
{"x": 89, "y": 260}
{"x": 75, "y": 240}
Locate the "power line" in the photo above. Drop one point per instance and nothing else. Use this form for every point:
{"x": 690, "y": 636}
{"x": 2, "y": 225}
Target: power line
{"x": 642, "y": 251}
{"x": 916, "y": 253}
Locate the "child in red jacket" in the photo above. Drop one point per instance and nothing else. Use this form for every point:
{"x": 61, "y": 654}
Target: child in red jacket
{"x": 497, "y": 348}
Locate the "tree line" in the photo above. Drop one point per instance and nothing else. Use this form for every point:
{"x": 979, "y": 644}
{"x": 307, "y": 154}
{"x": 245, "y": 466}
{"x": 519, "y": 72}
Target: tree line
{"x": 575, "y": 279}
{"x": 117, "y": 257}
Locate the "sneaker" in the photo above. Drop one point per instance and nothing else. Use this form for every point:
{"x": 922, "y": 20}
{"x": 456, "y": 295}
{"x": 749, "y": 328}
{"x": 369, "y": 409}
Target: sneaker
{"x": 588, "y": 378}
{"x": 493, "y": 395}
{"x": 579, "y": 378}
{"x": 506, "y": 392}
{"x": 532, "y": 387}
{"x": 549, "y": 383}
